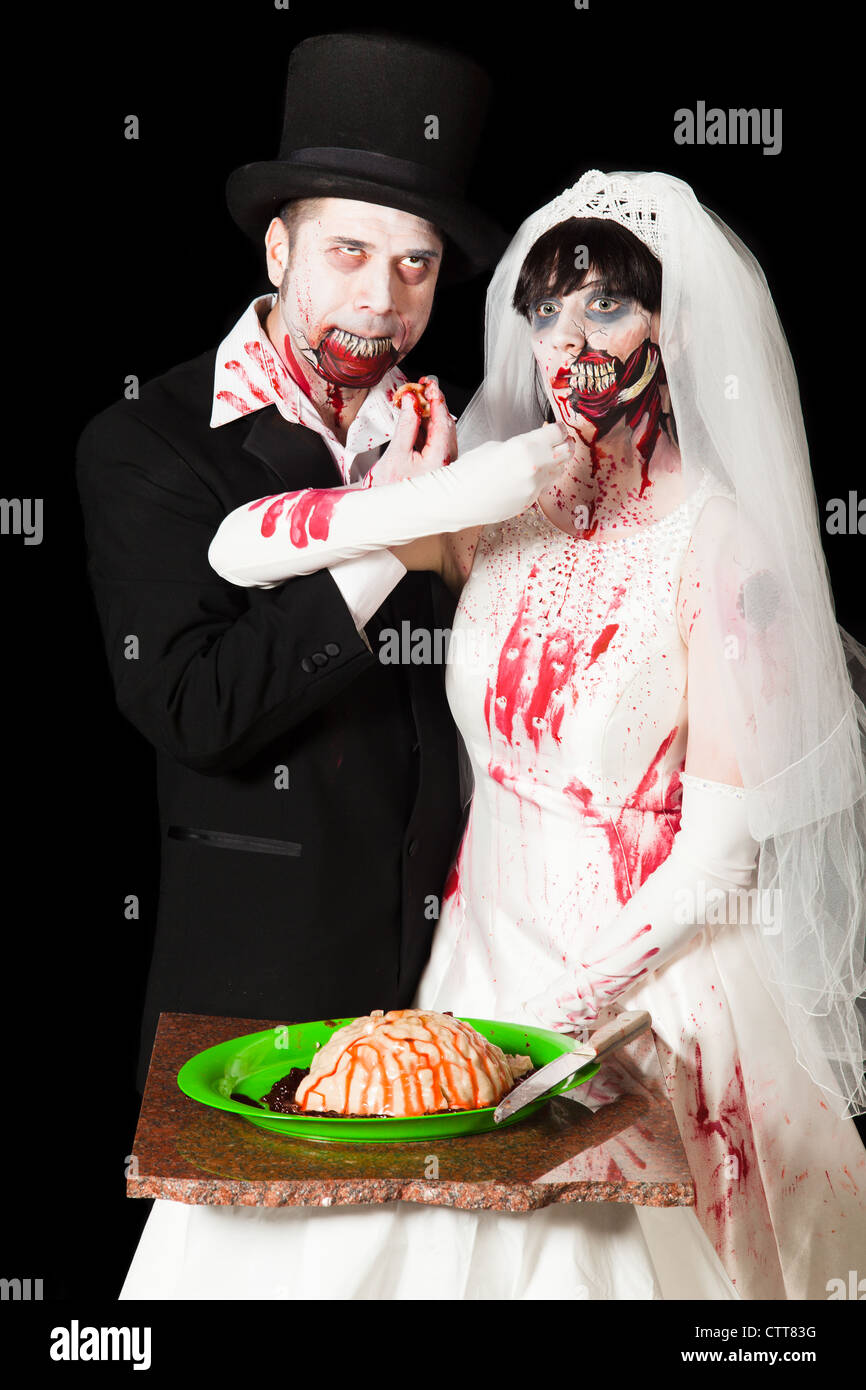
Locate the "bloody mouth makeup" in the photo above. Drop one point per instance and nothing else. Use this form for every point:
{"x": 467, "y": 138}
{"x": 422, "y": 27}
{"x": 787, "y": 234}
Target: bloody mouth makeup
{"x": 599, "y": 362}
{"x": 356, "y": 283}
{"x": 348, "y": 359}
{"x": 598, "y": 387}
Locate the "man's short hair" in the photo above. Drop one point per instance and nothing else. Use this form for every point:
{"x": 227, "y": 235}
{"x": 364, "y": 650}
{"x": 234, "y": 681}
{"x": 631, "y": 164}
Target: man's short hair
{"x": 298, "y": 210}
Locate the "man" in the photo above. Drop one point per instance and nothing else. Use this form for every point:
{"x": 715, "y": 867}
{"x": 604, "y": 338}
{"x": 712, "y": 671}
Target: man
{"x": 308, "y": 794}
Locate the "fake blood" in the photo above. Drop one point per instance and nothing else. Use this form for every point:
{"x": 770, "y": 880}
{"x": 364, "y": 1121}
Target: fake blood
{"x": 601, "y": 643}
{"x": 310, "y": 517}
{"x": 242, "y": 407}
{"x": 544, "y": 704}
{"x": 267, "y": 365}
{"x": 452, "y": 882}
{"x": 621, "y": 880}
{"x": 336, "y": 402}
{"x": 651, "y": 775}
{"x": 488, "y": 696}
{"x": 719, "y": 1140}
{"x": 512, "y": 665}
{"x": 257, "y": 394}
{"x": 554, "y": 671}
{"x": 340, "y": 365}
{"x": 632, "y": 858}
{"x": 702, "y": 1113}
{"x": 295, "y": 371}
{"x": 589, "y": 532}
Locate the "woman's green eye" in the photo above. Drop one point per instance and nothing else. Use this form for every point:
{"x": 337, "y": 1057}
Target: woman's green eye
{"x": 546, "y": 305}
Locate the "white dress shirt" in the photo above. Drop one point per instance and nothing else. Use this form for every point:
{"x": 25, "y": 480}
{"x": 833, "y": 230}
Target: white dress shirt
{"x": 249, "y": 374}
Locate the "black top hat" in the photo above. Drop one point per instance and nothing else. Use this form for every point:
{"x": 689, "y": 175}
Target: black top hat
{"x": 360, "y": 111}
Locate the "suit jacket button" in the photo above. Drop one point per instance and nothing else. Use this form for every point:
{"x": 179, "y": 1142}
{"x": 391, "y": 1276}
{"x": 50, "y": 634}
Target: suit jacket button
{"x": 307, "y": 665}
{"x": 332, "y": 648}
{"x": 412, "y": 847}
{"x": 320, "y": 659}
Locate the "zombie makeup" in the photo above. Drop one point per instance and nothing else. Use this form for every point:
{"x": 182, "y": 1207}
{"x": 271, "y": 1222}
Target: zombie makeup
{"x": 347, "y": 359}
{"x": 342, "y": 358}
{"x": 598, "y": 361}
{"x": 356, "y": 294}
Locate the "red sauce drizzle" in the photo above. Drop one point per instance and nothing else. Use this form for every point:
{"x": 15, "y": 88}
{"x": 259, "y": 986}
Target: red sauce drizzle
{"x": 404, "y": 1094}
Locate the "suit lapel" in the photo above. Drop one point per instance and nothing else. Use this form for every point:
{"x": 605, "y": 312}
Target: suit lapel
{"x": 297, "y": 456}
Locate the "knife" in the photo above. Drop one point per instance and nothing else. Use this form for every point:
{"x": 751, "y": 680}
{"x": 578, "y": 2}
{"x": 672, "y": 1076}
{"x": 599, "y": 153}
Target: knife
{"x": 603, "y": 1041}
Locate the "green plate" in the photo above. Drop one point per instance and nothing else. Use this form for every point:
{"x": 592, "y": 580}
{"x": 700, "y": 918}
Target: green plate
{"x": 253, "y": 1063}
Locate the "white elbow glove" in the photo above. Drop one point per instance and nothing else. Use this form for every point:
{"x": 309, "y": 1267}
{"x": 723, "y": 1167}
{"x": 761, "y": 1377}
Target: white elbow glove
{"x": 275, "y": 538}
{"x": 713, "y": 854}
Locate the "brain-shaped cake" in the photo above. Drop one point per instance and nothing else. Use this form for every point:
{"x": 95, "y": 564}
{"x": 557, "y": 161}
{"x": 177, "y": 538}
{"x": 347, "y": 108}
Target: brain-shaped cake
{"x": 408, "y": 1062}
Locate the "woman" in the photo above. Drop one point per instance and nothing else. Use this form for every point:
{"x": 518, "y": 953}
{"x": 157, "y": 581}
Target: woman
{"x": 633, "y": 670}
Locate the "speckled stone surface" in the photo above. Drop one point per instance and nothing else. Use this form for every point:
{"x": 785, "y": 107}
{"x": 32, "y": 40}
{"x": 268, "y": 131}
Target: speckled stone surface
{"x": 627, "y": 1150}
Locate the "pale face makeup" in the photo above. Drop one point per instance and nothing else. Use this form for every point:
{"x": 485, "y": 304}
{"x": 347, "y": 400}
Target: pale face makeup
{"x": 355, "y": 294}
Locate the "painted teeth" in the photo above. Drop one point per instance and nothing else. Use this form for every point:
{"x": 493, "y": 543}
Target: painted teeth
{"x": 592, "y": 376}
{"x": 362, "y": 347}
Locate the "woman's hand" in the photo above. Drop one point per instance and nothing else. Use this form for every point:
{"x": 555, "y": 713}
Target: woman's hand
{"x": 712, "y": 857}
{"x": 495, "y": 481}
{"x": 570, "y": 1008}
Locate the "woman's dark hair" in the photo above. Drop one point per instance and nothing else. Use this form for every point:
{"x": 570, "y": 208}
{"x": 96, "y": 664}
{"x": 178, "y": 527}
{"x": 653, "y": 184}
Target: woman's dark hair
{"x": 626, "y": 266}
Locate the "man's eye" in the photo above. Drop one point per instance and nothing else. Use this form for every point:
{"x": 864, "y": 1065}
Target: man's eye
{"x": 415, "y": 262}
{"x": 349, "y": 250}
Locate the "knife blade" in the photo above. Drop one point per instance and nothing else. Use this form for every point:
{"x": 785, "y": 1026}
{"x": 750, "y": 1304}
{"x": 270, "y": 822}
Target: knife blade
{"x": 603, "y": 1041}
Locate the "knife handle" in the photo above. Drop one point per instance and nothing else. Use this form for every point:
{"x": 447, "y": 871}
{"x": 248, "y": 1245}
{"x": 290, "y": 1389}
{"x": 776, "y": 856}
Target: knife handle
{"x": 619, "y": 1031}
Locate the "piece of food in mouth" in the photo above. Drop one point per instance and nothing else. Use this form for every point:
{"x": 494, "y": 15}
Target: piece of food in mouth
{"x": 417, "y": 390}
{"x": 408, "y": 1062}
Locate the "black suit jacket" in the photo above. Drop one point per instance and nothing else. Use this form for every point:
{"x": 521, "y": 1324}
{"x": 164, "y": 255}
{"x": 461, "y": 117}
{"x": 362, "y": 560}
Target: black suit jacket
{"x": 311, "y": 900}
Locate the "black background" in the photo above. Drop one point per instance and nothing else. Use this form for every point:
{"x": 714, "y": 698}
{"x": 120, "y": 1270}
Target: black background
{"x": 128, "y": 263}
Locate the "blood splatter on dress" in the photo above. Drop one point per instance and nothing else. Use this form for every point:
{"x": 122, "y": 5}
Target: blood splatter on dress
{"x": 568, "y": 680}
{"x": 567, "y": 676}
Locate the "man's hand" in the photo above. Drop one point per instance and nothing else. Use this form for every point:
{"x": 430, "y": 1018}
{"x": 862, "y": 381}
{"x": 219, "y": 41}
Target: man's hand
{"x": 418, "y": 445}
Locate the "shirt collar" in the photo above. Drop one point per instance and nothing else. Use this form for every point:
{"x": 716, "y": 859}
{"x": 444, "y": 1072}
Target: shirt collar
{"x": 250, "y": 375}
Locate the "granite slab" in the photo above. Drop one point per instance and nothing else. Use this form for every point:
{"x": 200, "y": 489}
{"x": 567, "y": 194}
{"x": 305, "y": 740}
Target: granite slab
{"x": 627, "y": 1149}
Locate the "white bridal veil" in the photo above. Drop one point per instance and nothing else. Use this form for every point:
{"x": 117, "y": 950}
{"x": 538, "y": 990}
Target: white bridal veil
{"x": 789, "y": 672}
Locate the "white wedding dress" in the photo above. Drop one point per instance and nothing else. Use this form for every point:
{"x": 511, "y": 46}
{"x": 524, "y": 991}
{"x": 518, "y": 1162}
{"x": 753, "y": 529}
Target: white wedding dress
{"x": 567, "y": 679}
